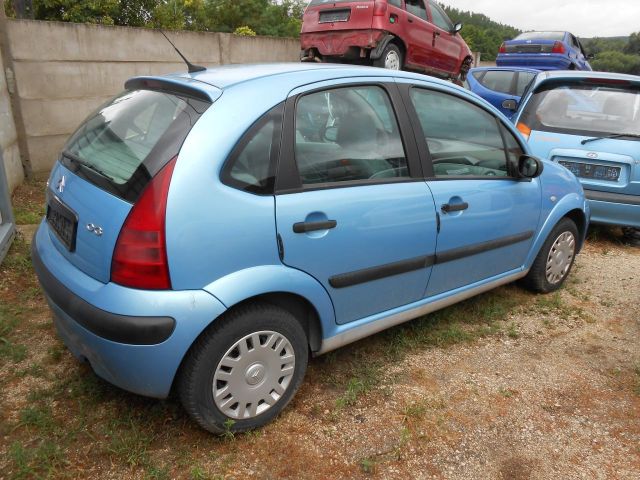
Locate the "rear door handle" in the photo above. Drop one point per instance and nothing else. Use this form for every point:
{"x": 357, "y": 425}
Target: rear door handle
{"x": 304, "y": 227}
{"x": 457, "y": 207}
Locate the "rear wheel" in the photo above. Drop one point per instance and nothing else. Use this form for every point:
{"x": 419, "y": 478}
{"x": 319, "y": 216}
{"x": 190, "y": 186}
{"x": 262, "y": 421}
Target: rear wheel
{"x": 555, "y": 259}
{"x": 244, "y": 371}
{"x": 391, "y": 58}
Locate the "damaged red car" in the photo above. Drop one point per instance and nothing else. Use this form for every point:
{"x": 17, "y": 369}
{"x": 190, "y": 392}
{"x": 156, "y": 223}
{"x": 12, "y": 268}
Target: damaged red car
{"x": 396, "y": 34}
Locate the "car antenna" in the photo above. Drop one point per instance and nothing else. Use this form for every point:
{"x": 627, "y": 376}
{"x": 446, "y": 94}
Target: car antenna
{"x": 191, "y": 67}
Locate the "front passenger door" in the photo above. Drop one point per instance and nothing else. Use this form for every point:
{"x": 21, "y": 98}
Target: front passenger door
{"x": 487, "y": 217}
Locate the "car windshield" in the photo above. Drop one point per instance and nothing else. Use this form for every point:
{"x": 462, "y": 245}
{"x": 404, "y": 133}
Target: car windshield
{"x": 558, "y": 36}
{"x": 584, "y": 109}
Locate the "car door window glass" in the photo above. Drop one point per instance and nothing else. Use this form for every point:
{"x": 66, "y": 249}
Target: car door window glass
{"x": 513, "y": 147}
{"x": 417, "y": 8}
{"x": 463, "y": 139}
{"x": 440, "y": 18}
{"x": 252, "y": 165}
{"x": 348, "y": 134}
{"x": 524, "y": 78}
{"x": 498, "y": 81}
{"x": 396, "y": 3}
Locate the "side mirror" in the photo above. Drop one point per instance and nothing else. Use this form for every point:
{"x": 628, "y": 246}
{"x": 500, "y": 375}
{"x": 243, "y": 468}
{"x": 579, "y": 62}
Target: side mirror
{"x": 331, "y": 134}
{"x": 529, "y": 167}
{"x": 590, "y": 56}
{"x": 457, "y": 27}
{"x": 510, "y": 104}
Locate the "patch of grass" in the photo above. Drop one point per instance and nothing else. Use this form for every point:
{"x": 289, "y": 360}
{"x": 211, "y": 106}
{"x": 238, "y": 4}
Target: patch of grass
{"x": 129, "y": 442}
{"x": 368, "y": 465}
{"x": 46, "y": 459}
{"x": 39, "y": 417}
{"x": 512, "y": 331}
{"x": 28, "y": 202}
{"x": 415, "y": 410}
{"x": 28, "y": 214}
{"x": 198, "y": 473}
{"x": 506, "y": 392}
{"x": 547, "y": 303}
{"x": 228, "y": 432}
{"x": 636, "y": 370}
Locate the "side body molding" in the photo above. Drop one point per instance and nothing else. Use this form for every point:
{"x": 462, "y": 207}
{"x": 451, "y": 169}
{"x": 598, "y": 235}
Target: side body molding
{"x": 239, "y": 286}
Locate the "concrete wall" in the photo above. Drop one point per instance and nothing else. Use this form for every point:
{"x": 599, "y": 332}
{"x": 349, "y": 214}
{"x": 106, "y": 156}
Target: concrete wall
{"x": 8, "y": 135}
{"x": 63, "y": 71}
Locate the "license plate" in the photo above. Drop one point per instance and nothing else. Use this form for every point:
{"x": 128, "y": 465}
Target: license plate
{"x": 588, "y": 170}
{"x": 63, "y": 222}
{"x": 331, "y": 16}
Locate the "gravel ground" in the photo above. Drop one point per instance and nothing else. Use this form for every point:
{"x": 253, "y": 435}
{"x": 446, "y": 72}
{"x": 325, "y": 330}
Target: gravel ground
{"x": 553, "y": 393}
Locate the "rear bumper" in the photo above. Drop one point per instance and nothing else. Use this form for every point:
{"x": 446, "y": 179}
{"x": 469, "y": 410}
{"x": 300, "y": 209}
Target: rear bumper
{"x": 134, "y": 339}
{"x": 614, "y": 208}
{"x": 539, "y": 61}
{"x": 339, "y": 43}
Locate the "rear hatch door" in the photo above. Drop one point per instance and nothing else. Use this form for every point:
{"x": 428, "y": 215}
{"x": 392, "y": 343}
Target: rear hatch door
{"x": 326, "y": 16}
{"x": 106, "y": 165}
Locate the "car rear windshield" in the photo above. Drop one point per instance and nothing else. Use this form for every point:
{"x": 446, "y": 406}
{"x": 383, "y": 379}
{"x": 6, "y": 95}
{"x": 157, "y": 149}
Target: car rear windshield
{"x": 584, "y": 109}
{"x": 125, "y": 142}
{"x": 558, "y": 36}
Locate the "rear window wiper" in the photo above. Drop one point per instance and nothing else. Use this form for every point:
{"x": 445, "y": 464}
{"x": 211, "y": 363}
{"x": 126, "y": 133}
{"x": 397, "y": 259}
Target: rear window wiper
{"x": 614, "y": 135}
{"x": 78, "y": 161}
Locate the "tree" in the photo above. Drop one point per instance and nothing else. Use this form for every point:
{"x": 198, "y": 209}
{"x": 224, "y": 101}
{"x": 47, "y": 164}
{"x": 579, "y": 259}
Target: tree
{"x": 633, "y": 45}
{"x": 614, "y": 61}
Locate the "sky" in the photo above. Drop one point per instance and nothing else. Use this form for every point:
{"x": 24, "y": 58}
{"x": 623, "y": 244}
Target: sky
{"x": 583, "y": 18}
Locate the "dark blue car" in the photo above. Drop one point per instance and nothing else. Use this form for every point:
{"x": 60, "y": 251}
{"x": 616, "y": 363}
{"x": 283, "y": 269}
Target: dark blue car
{"x": 544, "y": 51}
{"x": 502, "y": 87}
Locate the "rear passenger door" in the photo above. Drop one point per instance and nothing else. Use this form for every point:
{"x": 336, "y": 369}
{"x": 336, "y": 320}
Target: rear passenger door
{"x": 420, "y": 36}
{"x": 487, "y": 217}
{"x": 447, "y": 50}
{"x": 352, "y": 207}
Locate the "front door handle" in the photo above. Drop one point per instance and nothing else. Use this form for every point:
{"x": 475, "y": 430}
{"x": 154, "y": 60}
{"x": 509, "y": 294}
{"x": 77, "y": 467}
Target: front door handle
{"x": 456, "y": 207}
{"x": 410, "y": 20}
{"x": 304, "y": 227}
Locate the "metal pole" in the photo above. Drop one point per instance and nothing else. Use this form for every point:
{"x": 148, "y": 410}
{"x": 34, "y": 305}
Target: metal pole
{"x": 7, "y": 224}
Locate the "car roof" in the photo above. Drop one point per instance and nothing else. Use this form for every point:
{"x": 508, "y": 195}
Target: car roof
{"x": 508, "y": 69}
{"x": 280, "y": 76}
{"x": 554, "y": 75}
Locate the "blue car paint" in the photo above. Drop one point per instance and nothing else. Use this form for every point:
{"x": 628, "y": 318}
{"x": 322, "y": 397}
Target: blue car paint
{"x": 208, "y": 279}
{"x": 572, "y": 59}
{"x": 494, "y": 97}
{"x": 613, "y": 152}
{"x": 144, "y": 369}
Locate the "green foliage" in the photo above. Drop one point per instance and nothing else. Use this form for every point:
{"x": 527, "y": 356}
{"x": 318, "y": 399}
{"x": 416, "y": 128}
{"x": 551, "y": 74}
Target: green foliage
{"x": 480, "y": 32}
{"x": 633, "y": 45}
{"x": 244, "y": 32}
{"x": 282, "y": 18}
{"x": 615, "y": 61}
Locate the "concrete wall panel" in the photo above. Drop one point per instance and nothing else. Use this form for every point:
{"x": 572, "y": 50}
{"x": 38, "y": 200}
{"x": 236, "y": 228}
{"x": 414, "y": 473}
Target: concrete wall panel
{"x": 64, "y": 71}
{"x": 8, "y": 137}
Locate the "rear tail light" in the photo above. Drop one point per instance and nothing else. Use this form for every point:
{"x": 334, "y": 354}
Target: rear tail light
{"x": 558, "y": 47}
{"x": 379, "y": 8}
{"x": 503, "y": 48}
{"x": 524, "y": 130}
{"x": 140, "y": 255}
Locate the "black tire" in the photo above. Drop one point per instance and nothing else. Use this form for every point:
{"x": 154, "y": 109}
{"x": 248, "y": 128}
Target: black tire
{"x": 544, "y": 276}
{"x": 389, "y": 52}
{"x": 196, "y": 377}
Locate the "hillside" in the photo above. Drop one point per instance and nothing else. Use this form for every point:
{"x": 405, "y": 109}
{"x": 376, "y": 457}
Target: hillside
{"x": 480, "y": 32}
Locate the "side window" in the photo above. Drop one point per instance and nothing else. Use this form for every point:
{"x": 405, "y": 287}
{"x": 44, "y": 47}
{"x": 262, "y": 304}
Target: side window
{"x": 498, "y": 80}
{"x": 417, "y": 8}
{"x": 524, "y": 78}
{"x": 463, "y": 139}
{"x": 348, "y": 134}
{"x": 396, "y": 3}
{"x": 251, "y": 166}
{"x": 574, "y": 42}
{"x": 440, "y": 18}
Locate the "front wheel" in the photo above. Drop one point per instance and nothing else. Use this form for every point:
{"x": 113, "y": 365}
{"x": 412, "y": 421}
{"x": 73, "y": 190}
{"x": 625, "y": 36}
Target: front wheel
{"x": 555, "y": 259}
{"x": 391, "y": 58}
{"x": 244, "y": 371}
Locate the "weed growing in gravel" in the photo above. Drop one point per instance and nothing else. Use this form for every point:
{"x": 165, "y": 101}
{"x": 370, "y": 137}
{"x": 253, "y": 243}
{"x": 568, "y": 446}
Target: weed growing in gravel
{"x": 512, "y": 331}
{"x": 636, "y": 370}
{"x": 368, "y": 465}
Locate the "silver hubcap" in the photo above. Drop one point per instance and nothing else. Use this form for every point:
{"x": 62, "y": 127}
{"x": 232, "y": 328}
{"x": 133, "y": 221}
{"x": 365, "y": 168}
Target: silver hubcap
{"x": 253, "y": 375}
{"x": 392, "y": 61}
{"x": 560, "y": 257}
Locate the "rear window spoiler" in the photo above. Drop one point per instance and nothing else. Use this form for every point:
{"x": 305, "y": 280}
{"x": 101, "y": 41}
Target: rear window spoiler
{"x": 180, "y": 86}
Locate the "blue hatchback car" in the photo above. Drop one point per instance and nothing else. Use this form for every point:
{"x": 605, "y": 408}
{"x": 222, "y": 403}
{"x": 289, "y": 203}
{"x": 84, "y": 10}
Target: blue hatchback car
{"x": 544, "y": 51}
{"x": 590, "y": 123}
{"x": 502, "y": 87}
{"x": 209, "y": 231}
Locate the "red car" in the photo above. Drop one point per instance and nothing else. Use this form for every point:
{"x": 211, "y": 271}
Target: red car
{"x": 394, "y": 34}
